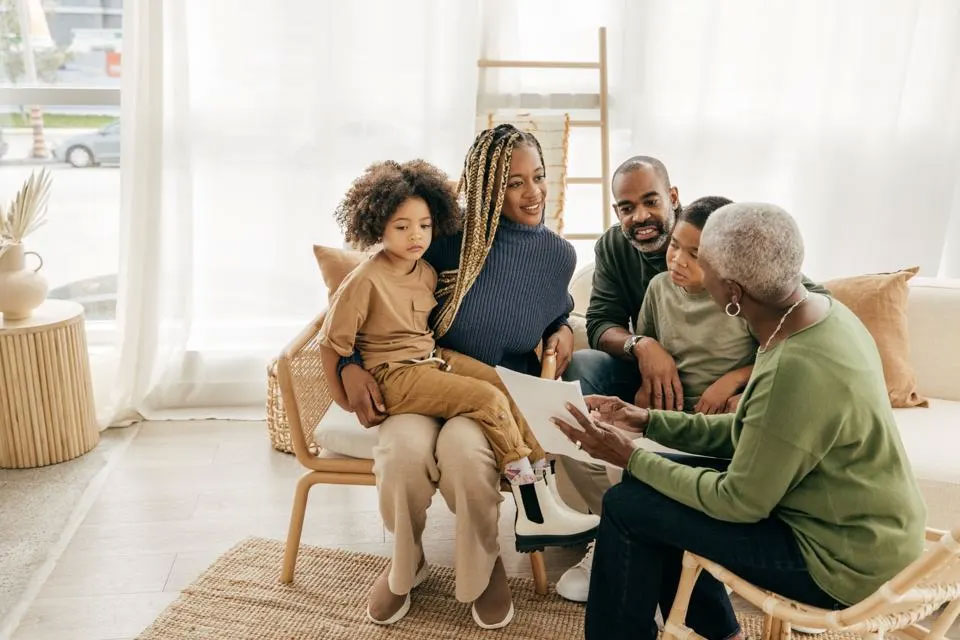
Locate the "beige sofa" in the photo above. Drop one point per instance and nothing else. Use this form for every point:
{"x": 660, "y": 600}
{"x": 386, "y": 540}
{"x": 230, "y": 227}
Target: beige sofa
{"x": 931, "y": 435}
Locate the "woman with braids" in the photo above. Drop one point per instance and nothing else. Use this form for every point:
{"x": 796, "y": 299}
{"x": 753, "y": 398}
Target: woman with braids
{"x": 381, "y": 310}
{"x": 502, "y": 289}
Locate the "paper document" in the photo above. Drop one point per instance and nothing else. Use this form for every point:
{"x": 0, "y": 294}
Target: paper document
{"x": 541, "y": 399}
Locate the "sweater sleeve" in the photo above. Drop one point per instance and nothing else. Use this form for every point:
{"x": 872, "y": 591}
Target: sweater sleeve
{"x": 764, "y": 467}
{"x": 563, "y": 320}
{"x": 607, "y": 307}
{"x": 700, "y": 434}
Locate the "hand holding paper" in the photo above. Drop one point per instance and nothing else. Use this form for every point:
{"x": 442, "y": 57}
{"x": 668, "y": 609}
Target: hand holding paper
{"x": 541, "y": 401}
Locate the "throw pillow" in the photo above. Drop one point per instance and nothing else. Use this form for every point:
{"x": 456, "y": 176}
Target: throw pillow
{"x": 335, "y": 264}
{"x": 880, "y": 301}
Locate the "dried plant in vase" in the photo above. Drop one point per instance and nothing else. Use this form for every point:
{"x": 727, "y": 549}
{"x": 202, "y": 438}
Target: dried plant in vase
{"x": 21, "y": 289}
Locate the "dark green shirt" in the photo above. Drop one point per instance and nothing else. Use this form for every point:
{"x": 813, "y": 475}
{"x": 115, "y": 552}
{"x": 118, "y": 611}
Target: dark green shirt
{"x": 621, "y": 276}
{"x": 813, "y": 443}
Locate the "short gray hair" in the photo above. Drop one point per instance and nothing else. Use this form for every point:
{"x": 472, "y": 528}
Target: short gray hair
{"x": 755, "y": 244}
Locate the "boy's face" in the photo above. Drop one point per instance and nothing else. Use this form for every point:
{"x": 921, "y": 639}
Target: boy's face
{"x": 682, "y": 258}
{"x": 409, "y": 230}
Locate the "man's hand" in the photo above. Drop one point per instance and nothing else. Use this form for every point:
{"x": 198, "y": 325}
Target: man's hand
{"x": 363, "y": 395}
{"x": 561, "y": 343}
{"x": 660, "y": 388}
{"x": 617, "y": 413}
{"x": 602, "y": 441}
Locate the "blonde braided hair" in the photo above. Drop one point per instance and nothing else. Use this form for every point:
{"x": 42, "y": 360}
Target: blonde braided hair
{"x": 484, "y": 171}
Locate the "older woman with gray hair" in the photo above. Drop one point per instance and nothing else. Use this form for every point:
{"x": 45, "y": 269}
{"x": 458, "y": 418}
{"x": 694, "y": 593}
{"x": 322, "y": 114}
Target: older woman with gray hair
{"x": 805, "y": 491}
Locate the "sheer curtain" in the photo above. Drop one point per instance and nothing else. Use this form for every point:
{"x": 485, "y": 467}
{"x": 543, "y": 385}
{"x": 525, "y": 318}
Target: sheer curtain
{"x": 244, "y": 124}
{"x": 845, "y": 113}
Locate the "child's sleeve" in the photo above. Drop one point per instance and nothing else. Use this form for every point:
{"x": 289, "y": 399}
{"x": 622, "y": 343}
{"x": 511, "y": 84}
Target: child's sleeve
{"x": 346, "y": 315}
{"x": 647, "y": 318}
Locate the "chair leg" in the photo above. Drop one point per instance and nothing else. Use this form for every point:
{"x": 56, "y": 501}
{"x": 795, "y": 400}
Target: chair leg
{"x": 786, "y": 631}
{"x": 306, "y": 481}
{"x": 675, "y": 625}
{"x": 771, "y": 628}
{"x": 539, "y": 569}
{"x": 939, "y": 629}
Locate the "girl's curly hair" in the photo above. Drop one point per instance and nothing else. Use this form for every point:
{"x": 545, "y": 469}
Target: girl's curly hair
{"x": 383, "y": 187}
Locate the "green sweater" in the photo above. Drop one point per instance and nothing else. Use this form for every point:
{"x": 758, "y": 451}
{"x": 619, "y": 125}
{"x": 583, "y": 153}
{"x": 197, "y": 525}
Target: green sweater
{"x": 621, "y": 276}
{"x": 814, "y": 443}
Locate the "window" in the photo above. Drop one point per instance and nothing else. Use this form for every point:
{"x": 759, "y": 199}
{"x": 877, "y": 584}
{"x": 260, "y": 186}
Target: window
{"x": 59, "y": 109}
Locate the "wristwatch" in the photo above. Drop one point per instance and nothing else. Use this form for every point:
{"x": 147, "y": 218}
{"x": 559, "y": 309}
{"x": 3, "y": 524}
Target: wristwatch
{"x": 630, "y": 343}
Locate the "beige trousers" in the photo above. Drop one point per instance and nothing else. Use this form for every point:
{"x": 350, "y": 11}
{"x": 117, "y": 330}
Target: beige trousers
{"x": 413, "y": 458}
{"x": 582, "y": 485}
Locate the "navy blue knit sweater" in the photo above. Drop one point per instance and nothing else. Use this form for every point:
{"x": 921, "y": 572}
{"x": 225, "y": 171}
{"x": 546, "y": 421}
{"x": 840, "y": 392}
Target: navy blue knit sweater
{"x": 519, "y": 298}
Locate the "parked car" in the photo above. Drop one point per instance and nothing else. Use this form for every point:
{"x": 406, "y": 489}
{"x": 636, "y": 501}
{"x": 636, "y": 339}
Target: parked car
{"x": 89, "y": 149}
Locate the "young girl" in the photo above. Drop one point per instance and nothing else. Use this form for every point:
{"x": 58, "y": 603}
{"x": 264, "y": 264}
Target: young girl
{"x": 382, "y": 310}
{"x": 714, "y": 350}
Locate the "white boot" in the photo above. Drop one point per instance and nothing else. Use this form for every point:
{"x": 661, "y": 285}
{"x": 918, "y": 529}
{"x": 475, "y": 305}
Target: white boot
{"x": 542, "y": 522}
{"x": 551, "y": 479}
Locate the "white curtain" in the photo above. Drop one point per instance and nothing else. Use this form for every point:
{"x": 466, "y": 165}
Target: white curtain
{"x": 845, "y": 113}
{"x": 243, "y": 125}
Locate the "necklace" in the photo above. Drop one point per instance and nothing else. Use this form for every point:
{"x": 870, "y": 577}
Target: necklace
{"x": 773, "y": 335}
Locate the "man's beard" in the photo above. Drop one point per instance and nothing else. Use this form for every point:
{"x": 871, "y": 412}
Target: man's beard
{"x": 656, "y": 243}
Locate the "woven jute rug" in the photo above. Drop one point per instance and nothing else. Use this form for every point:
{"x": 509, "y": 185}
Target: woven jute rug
{"x": 240, "y": 597}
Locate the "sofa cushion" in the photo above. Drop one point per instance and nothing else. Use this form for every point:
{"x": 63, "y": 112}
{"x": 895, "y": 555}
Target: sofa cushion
{"x": 335, "y": 265}
{"x": 926, "y": 436}
{"x": 880, "y": 301}
{"x": 934, "y": 315}
{"x": 340, "y": 432}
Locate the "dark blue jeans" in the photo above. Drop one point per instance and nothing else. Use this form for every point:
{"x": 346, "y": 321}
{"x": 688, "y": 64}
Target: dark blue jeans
{"x": 602, "y": 374}
{"x": 637, "y": 562}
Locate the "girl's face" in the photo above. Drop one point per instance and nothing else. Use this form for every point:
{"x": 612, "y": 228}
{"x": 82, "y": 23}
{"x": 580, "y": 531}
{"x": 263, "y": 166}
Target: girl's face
{"x": 526, "y": 193}
{"x": 682, "y": 259}
{"x": 409, "y": 230}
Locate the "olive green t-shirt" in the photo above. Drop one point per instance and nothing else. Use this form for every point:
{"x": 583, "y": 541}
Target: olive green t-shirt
{"x": 704, "y": 341}
{"x": 814, "y": 443}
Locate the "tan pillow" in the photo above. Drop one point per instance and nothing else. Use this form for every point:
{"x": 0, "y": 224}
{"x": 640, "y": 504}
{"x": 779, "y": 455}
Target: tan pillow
{"x": 880, "y": 301}
{"x": 335, "y": 264}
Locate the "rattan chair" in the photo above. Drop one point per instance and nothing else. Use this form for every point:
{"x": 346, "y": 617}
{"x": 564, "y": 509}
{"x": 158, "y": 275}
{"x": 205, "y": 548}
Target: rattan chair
{"x": 306, "y": 399}
{"x": 930, "y": 582}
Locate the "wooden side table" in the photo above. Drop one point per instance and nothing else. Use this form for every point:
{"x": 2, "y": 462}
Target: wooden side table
{"x": 46, "y": 398}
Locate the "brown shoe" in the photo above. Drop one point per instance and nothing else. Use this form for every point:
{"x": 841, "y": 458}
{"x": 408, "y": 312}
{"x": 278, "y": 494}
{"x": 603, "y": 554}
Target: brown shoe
{"x": 494, "y": 608}
{"x": 385, "y": 607}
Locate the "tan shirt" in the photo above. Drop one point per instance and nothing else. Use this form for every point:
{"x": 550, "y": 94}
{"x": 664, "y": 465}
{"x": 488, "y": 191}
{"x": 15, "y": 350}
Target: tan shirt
{"x": 381, "y": 313}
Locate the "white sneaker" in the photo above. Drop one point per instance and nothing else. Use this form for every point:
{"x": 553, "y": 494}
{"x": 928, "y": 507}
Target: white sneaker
{"x": 543, "y": 522}
{"x": 574, "y": 584}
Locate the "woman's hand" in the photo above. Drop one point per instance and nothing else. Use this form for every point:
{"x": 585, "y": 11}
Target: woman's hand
{"x": 661, "y": 386}
{"x": 363, "y": 395}
{"x": 602, "y": 441}
{"x": 561, "y": 343}
{"x": 619, "y": 414}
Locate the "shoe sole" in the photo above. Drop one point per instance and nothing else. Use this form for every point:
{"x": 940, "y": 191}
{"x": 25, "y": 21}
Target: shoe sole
{"x": 497, "y": 625}
{"x": 528, "y": 544}
{"x": 404, "y": 609}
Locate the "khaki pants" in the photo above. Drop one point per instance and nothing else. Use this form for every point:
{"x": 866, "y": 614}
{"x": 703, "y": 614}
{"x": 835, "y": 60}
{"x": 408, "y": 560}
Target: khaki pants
{"x": 470, "y": 389}
{"x": 414, "y": 456}
{"x": 582, "y": 485}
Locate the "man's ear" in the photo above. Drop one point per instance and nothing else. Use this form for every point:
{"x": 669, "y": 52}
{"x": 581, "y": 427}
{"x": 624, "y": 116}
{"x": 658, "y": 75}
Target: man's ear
{"x": 674, "y": 198}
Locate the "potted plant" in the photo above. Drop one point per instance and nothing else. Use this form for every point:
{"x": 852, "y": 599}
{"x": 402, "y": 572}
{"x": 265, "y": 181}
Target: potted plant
{"x": 21, "y": 289}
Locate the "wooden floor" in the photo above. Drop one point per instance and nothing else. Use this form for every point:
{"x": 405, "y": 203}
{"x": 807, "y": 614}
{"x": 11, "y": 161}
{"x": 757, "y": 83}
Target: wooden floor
{"x": 181, "y": 494}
